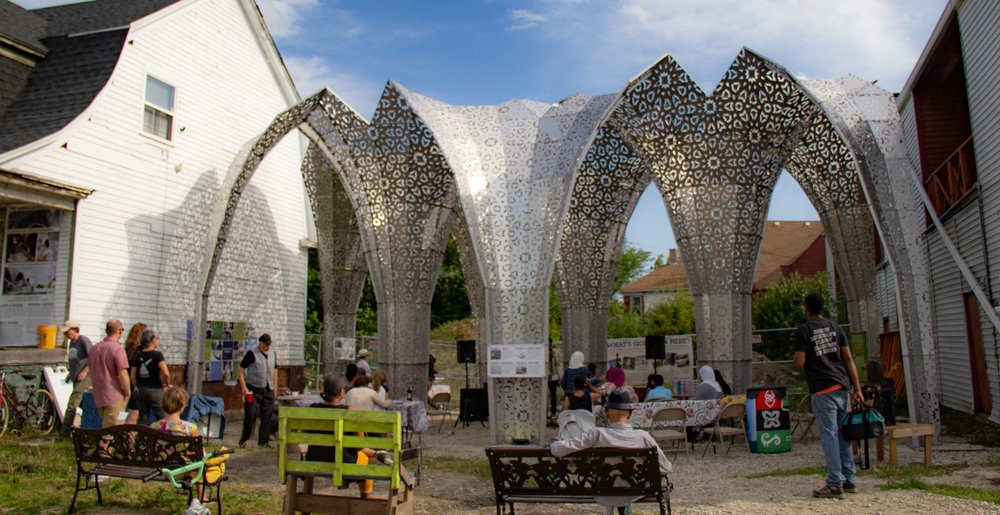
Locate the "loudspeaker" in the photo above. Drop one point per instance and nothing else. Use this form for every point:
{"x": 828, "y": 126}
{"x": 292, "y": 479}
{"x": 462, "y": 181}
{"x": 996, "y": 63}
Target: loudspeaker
{"x": 475, "y": 406}
{"x": 466, "y": 351}
{"x": 656, "y": 347}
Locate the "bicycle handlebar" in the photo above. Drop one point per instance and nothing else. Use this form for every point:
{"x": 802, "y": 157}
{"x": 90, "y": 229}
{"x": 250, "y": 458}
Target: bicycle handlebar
{"x": 199, "y": 465}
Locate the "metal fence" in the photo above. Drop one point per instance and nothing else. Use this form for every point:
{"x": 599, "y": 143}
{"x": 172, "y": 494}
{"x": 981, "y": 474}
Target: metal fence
{"x": 772, "y": 358}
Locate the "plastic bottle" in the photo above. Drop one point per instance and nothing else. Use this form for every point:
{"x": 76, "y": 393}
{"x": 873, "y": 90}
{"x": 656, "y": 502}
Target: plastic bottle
{"x": 409, "y": 394}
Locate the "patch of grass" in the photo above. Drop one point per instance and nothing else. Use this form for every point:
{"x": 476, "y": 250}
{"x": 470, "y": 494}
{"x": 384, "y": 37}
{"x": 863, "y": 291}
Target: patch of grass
{"x": 908, "y": 472}
{"x": 37, "y": 478}
{"x": 470, "y": 466}
{"x": 962, "y": 492}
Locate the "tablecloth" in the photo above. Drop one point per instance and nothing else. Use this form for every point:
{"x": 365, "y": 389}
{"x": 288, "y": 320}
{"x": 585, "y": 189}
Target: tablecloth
{"x": 413, "y": 413}
{"x": 698, "y": 413}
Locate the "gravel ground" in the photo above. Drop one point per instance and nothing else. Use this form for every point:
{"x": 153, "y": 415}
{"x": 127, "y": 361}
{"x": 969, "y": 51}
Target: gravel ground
{"x": 714, "y": 484}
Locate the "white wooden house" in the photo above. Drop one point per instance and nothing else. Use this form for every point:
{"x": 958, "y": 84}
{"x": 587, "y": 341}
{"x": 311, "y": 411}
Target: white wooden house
{"x": 118, "y": 121}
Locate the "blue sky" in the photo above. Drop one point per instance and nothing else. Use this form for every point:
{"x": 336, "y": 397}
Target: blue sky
{"x": 489, "y": 51}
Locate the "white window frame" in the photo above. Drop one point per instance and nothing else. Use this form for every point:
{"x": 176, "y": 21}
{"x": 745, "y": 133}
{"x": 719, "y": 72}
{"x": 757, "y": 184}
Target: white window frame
{"x": 170, "y": 113}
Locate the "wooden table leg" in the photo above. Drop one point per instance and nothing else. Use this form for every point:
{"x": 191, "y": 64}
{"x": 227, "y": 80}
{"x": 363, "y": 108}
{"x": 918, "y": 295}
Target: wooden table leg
{"x": 927, "y": 450}
{"x": 880, "y": 448}
{"x": 291, "y": 485}
{"x": 893, "y": 459}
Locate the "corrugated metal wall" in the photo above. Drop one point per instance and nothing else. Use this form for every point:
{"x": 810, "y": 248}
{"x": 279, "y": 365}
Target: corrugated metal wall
{"x": 979, "y": 27}
{"x": 885, "y": 294}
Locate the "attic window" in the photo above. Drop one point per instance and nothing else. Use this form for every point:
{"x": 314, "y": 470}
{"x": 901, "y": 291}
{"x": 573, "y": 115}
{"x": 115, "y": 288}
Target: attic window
{"x": 158, "y": 115}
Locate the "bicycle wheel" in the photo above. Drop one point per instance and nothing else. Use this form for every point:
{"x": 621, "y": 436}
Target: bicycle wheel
{"x": 41, "y": 411}
{"x": 3, "y": 416}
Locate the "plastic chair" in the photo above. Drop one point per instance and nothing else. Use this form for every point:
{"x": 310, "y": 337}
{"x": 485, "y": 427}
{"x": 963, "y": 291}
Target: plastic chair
{"x": 670, "y": 414}
{"x": 443, "y": 401}
{"x": 718, "y": 431}
{"x": 803, "y": 417}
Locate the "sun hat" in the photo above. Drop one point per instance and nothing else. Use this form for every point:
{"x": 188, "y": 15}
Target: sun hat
{"x": 69, "y": 324}
{"x": 363, "y": 352}
{"x": 619, "y": 400}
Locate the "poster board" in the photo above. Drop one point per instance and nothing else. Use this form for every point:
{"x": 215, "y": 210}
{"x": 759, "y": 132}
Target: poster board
{"x": 225, "y": 345}
{"x": 516, "y": 360}
{"x": 630, "y": 355}
{"x": 343, "y": 348}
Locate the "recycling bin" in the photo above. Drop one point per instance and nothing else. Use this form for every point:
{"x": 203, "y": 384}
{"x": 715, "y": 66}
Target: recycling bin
{"x": 768, "y": 423}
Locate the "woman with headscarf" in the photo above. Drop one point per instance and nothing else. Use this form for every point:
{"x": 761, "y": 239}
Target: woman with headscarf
{"x": 726, "y": 389}
{"x": 615, "y": 381}
{"x": 575, "y": 368}
{"x": 708, "y": 388}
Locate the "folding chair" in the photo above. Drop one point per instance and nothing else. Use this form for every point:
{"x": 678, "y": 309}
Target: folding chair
{"x": 736, "y": 411}
{"x": 803, "y": 417}
{"x": 670, "y": 414}
{"x": 443, "y": 401}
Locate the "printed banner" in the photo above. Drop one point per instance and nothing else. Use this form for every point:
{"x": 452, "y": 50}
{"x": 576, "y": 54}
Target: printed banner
{"x": 517, "y": 360}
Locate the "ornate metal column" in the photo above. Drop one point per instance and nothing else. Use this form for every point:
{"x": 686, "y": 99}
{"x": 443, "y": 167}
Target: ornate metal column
{"x": 403, "y": 194}
{"x": 477, "y": 295}
{"x": 715, "y": 160}
{"x": 608, "y": 185}
{"x": 341, "y": 253}
{"x": 827, "y": 172}
{"x": 868, "y": 121}
{"x": 514, "y": 166}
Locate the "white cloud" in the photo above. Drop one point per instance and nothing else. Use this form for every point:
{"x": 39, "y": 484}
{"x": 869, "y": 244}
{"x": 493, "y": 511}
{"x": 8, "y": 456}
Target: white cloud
{"x": 523, "y": 19}
{"x": 875, "y": 39}
{"x": 314, "y": 73}
{"x": 283, "y": 16}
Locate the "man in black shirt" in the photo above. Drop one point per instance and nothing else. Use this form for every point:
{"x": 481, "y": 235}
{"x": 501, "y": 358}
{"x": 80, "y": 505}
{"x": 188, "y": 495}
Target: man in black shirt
{"x": 821, "y": 349}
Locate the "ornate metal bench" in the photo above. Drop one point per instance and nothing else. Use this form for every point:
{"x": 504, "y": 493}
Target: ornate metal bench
{"x": 335, "y": 428}
{"x": 533, "y": 474}
{"x": 134, "y": 452}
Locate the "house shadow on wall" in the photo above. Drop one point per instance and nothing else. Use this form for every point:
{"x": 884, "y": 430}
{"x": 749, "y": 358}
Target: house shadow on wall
{"x": 250, "y": 284}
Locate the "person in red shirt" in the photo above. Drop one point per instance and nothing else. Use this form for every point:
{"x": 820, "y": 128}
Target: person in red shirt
{"x": 109, "y": 374}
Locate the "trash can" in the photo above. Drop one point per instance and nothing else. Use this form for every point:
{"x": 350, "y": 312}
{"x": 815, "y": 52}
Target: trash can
{"x": 46, "y": 336}
{"x": 768, "y": 423}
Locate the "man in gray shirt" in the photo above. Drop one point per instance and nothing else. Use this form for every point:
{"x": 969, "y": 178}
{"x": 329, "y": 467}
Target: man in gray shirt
{"x": 79, "y": 348}
{"x": 618, "y": 434}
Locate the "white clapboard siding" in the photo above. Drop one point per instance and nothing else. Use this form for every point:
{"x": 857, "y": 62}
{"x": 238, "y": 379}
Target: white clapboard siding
{"x": 979, "y": 21}
{"x": 140, "y": 237}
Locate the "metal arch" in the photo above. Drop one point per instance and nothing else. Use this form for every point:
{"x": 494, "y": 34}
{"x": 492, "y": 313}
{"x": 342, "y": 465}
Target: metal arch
{"x": 242, "y": 169}
{"x": 341, "y": 254}
{"x": 514, "y": 166}
{"x": 715, "y": 160}
{"x": 404, "y": 197}
{"x": 474, "y": 287}
{"x": 826, "y": 170}
{"x": 867, "y": 119}
{"x": 608, "y": 185}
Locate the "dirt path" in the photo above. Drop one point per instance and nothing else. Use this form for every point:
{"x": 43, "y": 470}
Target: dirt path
{"x": 714, "y": 484}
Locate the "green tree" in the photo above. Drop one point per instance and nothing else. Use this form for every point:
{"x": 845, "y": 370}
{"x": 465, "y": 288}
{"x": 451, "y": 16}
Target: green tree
{"x": 555, "y": 314}
{"x": 314, "y": 295}
{"x": 780, "y": 305}
{"x": 631, "y": 265}
{"x": 675, "y": 316}
{"x": 366, "y": 320}
{"x": 451, "y": 299}
{"x": 623, "y": 324}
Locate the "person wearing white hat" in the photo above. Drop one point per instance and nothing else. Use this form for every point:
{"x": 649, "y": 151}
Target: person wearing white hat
{"x": 79, "y": 372}
{"x": 363, "y": 367}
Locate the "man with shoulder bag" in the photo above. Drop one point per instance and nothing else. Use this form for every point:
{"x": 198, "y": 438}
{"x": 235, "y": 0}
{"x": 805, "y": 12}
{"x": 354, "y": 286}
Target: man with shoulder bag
{"x": 821, "y": 349}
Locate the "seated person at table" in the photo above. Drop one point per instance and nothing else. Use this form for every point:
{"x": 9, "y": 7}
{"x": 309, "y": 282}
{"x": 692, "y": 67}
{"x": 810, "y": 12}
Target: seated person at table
{"x": 361, "y": 397}
{"x": 726, "y": 390}
{"x": 574, "y": 369}
{"x": 708, "y": 389}
{"x": 378, "y": 384}
{"x": 580, "y": 398}
{"x": 592, "y": 374}
{"x": 616, "y": 383}
{"x": 618, "y": 434}
{"x": 333, "y": 397}
{"x": 656, "y": 389}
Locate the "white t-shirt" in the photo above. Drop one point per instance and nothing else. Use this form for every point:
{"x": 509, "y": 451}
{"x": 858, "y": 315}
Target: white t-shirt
{"x": 363, "y": 367}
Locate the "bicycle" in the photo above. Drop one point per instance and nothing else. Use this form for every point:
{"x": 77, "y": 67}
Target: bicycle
{"x": 38, "y": 411}
{"x": 188, "y": 483}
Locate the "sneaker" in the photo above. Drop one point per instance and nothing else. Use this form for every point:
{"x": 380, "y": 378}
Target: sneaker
{"x": 829, "y": 492}
{"x": 384, "y": 457}
{"x": 849, "y": 488}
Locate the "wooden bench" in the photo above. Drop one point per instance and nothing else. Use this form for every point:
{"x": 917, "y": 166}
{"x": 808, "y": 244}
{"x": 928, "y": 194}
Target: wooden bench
{"x": 133, "y": 452}
{"x": 894, "y": 433}
{"x": 337, "y": 428}
{"x": 534, "y": 475}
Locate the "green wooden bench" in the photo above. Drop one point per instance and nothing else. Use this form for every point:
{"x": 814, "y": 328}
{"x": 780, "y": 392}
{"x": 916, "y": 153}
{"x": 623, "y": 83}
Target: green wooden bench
{"x": 337, "y": 428}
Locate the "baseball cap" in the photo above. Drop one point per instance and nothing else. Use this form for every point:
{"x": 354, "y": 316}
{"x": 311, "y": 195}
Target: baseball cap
{"x": 69, "y": 324}
{"x": 619, "y": 400}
